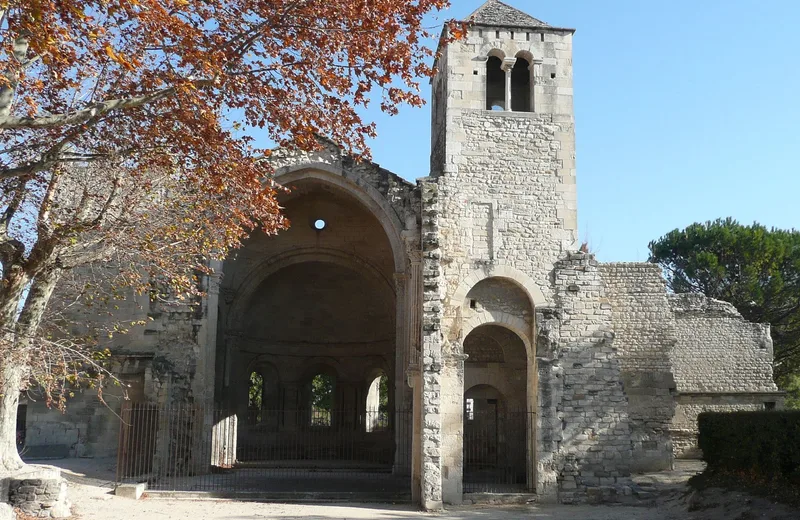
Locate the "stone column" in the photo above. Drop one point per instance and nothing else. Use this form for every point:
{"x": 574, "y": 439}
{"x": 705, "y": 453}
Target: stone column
{"x": 508, "y": 66}
{"x": 536, "y": 79}
{"x": 409, "y": 285}
{"x": 452, "y": 411}
{"x": 402, "y": 337}
{"x": 204, "y": 384}
{"x": 415, "y": 381}
{"x": 207, "y": 340}
{"x": 292, "y": 411}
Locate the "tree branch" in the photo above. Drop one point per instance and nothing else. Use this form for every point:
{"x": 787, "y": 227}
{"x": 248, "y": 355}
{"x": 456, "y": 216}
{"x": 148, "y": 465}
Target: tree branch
{"x": 7, "y": 92}
{"x": 93, "y": 111}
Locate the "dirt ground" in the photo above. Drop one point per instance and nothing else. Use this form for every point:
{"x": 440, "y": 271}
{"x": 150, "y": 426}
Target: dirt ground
{"x": 93, "y": 499}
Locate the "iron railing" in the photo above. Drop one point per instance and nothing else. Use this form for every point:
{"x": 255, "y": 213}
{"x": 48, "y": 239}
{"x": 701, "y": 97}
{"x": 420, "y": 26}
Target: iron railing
{"x": 497, "y": 451}
{"x": 191, "y": 448}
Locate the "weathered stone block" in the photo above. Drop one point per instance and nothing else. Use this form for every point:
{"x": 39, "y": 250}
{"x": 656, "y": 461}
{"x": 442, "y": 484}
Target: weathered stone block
{"x": 132, "y": 491}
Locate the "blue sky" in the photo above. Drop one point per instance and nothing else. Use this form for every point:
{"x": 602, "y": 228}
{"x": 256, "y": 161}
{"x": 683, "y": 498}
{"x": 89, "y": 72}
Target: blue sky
{"x": 685, "y": 110}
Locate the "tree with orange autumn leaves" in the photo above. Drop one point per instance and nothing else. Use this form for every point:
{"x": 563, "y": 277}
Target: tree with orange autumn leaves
{"x": 122, "y": 141}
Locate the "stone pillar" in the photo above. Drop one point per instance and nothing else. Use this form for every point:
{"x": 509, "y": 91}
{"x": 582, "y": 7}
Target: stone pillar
{"x": 408, "y": 355}
{"x": 453, "y": 424}
{"x": 402, "y": 340}
{"x": 207, "y": 340}
{"x": 204, "y": 384}
{"x": 508, "y": 66}
{"x": 550, "y": 389}
{"x": 292, "y": 409}
{"x": 414, "y": 314}
{"x": 536, "y": 80}
{"x": 431, "y": 363}
{"x": 415, "y": 381}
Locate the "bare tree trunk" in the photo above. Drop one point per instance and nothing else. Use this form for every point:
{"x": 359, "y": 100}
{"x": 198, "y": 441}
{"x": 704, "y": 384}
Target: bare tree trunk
{"x": 14, "y": 358}
{"x": 10, "y": 386}
{"x": 10, "y": 371}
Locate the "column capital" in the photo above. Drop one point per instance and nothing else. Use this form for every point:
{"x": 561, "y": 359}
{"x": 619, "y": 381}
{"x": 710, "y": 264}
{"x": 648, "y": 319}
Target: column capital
{"x": 508, "y": 63}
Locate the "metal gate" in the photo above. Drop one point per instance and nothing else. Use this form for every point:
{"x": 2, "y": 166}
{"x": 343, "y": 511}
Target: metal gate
{"x": 188, "y": 448}
{"x": 496, "y": 457}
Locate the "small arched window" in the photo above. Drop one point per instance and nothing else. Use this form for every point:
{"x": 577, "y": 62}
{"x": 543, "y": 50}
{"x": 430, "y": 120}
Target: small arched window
{"x": 377, "y": 405}
{"x": 495, "y": 84}
{"x": 521, "y": 86}
{"x": 322, "y": 386}
{"x": 255, "y": 397}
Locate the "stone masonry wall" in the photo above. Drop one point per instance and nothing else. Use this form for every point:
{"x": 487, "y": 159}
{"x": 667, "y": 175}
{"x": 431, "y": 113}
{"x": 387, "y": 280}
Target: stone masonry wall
{"x": 717, "y": 350}
{"x": 595, "y": 451}
{"x": 40, "y": 498}
{"x": 38, "y": 492}
{"x": 432, "y": 340}
{"x": 507, "y": 204}
{"x": 722, "y": 363}
{"x": 645, "y": 336}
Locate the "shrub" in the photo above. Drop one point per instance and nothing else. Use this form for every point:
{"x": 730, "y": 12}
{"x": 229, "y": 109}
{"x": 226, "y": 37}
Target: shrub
{"x": 764, "y": 445}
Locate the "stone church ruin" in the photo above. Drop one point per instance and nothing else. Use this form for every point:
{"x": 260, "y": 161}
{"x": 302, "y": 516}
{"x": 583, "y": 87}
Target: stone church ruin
{"x": 433, "y": 338}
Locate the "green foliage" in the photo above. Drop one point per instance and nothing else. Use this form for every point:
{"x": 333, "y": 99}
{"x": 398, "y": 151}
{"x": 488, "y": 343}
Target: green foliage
{"x": 256, "y": 397}
{"x": 791, "y": 384}
{"x": 322, "y": 392}
{"x": 754, "y": 268}
{"x": 761, "y": 445}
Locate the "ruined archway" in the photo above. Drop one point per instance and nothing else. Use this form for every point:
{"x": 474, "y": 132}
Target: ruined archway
{"x": 319, "y": 303}
{"x": 497, "y": 330}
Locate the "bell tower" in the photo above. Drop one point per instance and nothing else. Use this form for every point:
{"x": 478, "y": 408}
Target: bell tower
{"x": 499, "y": 210}
{"x": 503, "y": 141}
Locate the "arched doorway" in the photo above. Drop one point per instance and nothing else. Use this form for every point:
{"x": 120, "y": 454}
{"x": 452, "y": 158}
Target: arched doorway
{"x": 497, "y": 422}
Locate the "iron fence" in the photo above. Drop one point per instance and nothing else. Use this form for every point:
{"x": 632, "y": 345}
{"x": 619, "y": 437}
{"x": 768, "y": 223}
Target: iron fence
{"x": 190, "y": 448}
{"x": 497, "y": 451}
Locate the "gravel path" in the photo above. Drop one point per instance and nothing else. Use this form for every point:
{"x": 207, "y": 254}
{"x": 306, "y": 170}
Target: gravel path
{"x": 91, "y": 493}
{"x": 95, "y": 503}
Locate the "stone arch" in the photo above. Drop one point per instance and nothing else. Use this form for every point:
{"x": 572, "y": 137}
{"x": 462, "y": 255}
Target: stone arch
{"x": 270, "y": 381}
{"x": 522, "y": 83}
{"x": 496, "y": 53}
{"x": 361, "y": 190}
{"x": 501, "y": 271}
{"x": 495, "y": 87}
{"x": 262, "y": 363}
{"x": 261, "y": 272}
{"x": 499, "y": 48}
{"x": 503, "y": 319}
{"x": 497, "y": 421}
{"x": 525, "y": 55}
{"x": 321, "y": 365}
{"x": 486, "y": 389}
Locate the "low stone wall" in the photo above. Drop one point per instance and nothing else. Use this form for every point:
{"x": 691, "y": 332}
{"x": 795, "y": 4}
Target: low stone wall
{"x": 39, "y": 492}
{"x": 689, "y": 405}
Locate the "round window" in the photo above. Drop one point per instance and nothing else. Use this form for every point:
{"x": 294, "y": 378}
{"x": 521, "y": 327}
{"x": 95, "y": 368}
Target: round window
{"x": 320, "y": 224}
